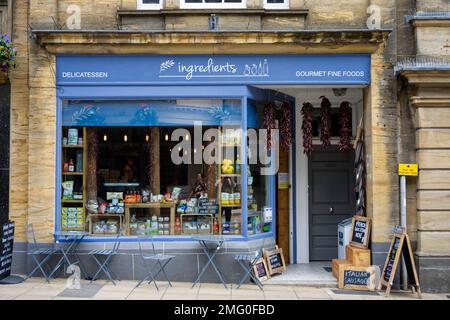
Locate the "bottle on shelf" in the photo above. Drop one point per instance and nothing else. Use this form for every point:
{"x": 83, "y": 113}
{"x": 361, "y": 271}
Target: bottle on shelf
{"x": 71, "y": 166}
{"x": 177, "y": 226}
{"x": 216, "y": 226}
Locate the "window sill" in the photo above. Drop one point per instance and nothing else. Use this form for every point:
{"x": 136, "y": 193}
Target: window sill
{"x": 261, "y": 12}
{"x": 173, "y": 238}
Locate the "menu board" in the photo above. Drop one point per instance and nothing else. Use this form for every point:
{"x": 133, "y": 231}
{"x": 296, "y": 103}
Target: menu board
{"x": 392, "y": 257}
{"x": 275, "y": 260}
{"x": 6, "y": 248}
{"x": 360, "y": 232}
{"x": 358, "y": 278}
{"x": 208, "y": 206}
{"x": 260, "y": 270}
{"x": 400, "y": 246}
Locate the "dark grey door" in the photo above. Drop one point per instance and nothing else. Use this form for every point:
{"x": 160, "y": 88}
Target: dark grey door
{"x": 331, "y": 199}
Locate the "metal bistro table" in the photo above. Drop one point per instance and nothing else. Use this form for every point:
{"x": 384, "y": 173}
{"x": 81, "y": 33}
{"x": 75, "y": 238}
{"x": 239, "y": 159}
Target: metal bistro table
{"x": 67, "y": 248}
{"x": 217, "y": 241}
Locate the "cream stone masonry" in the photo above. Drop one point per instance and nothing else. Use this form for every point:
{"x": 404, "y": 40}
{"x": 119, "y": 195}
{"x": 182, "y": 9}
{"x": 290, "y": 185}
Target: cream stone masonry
{"x": 350, "y": 16}
{"x": 429, "y": 95}
{"x": 19, "y": 122}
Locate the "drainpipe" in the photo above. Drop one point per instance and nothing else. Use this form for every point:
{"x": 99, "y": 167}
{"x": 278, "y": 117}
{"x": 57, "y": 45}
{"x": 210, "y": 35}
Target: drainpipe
{"x": 9, "y": 17}
{"x": 403, "y": 224}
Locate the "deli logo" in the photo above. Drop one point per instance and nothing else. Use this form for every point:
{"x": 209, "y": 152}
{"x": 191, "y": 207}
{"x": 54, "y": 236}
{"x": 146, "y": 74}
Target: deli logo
{"x": 210, "y": 69}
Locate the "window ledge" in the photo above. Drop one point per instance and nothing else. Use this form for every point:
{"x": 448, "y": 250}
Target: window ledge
{"x": 283, "y": 12}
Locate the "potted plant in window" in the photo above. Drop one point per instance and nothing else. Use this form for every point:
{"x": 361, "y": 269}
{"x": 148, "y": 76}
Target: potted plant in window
{"x": 7, "y": 56}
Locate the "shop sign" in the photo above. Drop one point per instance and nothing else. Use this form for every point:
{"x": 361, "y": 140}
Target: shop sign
{"x": 349, "y": 69}
{"x": 6, "y": 248}
{"x": 408, "y": 169}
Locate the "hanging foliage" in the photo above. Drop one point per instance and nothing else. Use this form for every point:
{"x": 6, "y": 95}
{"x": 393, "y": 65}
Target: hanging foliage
{"x": 307, "y": 127}
{"x": 269, "y": 122}
{"x": 7, "y": 54}
{"x": 286, "y": 136}
{"x": 345, "y": 112}
{"x": 92, "y": 154}
{"x": 325, "y": 122}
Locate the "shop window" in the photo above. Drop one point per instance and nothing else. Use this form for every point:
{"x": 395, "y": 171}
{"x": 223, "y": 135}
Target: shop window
{"x": 213, "y": 4}
{"x": 149, "y": 4}
{"x": 276, "y": 4}
{"x": 161, "y": 167}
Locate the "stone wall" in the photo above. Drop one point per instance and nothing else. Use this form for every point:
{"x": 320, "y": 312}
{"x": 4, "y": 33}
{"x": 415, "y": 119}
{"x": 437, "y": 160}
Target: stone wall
{"x": 430, "y": 98}
{"x": 33, "y": 101}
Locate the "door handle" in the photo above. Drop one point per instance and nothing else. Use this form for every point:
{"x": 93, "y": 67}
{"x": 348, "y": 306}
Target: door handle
{"x": 331, "y": 210}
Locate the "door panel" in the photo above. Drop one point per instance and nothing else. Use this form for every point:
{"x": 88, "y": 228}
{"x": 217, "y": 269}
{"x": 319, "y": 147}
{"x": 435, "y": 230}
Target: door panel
{"x": 331, "y": 199}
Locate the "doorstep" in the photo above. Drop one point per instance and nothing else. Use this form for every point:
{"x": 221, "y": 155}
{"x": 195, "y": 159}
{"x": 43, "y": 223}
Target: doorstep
{"x": 312, "y": 274}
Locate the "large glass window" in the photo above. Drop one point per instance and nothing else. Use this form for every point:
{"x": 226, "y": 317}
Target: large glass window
{"x": 161, "y": 167}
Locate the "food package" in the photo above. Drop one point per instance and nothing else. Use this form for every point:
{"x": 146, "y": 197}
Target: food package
{"x": 225, "y": 198}
{"x": 237, "y": 198}
{"x": 72, "y": 136}
{"x": 112, "y": 226}
{"x": 67, "y": 190}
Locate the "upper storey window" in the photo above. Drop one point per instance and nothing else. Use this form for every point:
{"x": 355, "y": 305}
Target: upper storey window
{"x": 149, "y": 4}
{"x": 213, "y": 4}
{"x": 276, "y": 4}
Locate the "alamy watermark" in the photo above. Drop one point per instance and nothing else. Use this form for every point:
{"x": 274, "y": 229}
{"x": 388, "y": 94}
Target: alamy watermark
{"x": 212, "y": 146}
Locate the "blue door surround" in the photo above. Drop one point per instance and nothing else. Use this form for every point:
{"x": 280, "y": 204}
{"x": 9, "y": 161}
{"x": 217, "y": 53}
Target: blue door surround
{"x": 136, "y": 77}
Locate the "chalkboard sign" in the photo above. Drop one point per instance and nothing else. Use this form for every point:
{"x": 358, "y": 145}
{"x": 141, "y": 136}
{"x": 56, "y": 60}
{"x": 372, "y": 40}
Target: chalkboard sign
{"x": 358, "y": 278}
{"x": 400, "y": 246}
{"x": 275, "y": 260}
{"x": 6, "y": 248}
{"x": 360, "y": 232}
{"x": 208, "y": 206}
{"x": 260, "y": 270}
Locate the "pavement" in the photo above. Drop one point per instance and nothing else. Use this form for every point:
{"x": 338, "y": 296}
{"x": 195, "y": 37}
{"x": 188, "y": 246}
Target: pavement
{"x": 38, "y": 289}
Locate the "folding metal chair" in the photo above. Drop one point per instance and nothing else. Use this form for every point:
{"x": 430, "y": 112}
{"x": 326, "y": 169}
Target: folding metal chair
{"x": 103, "y": 263}
{"x": 247, "y": 262}
{"x": 37, "y": 251}
{"x": 160, "y": 260}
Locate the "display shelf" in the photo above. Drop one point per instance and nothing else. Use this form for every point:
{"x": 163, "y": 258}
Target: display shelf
{"x": 71, "y": 201}
{"x": 70, "y": 151}
{"x": 96, "y": 218}
{"x": 76, "y": 146}
{"x": 151, "y": 205}
{"x": 224, "y": 145}
{"x": 196, "y": 230}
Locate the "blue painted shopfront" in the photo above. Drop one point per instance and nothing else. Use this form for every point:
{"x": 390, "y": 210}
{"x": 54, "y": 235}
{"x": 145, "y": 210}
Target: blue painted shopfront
{"x": 149, "y": 83}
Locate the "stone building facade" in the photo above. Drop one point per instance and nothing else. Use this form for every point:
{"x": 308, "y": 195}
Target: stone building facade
{"x": 406, "y": 106}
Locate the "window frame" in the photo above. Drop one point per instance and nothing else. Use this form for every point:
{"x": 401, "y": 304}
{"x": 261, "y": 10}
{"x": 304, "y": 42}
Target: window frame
{"x": 274, "y": 6}
{"x": 149, "y": 6}
{"x": 222, "y": 5}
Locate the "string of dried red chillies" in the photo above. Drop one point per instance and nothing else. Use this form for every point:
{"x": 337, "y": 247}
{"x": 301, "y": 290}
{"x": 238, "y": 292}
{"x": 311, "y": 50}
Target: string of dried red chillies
{"x": 285, "y": 129}
{"x": 307, "y": 128}
{"x": 325, "y": 122}
{"x": 346, "y": 131}
{"x": 269, "y": 122}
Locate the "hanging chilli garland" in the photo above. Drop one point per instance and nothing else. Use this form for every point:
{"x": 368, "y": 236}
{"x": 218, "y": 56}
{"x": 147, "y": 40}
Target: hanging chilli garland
{"x": 307, "y": 128}
{"x": 325, "y": 122}
{"x": 286, "y": 137}
{"x": 269, "y": 122}
{"x": 344, "y": 121}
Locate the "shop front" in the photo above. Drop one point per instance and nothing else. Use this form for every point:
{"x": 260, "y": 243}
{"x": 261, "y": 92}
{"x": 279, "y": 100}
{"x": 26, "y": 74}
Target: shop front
{"x": 177, "y": 145}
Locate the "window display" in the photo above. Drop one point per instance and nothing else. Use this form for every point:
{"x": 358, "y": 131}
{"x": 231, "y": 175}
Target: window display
{"x": 159, "y": 168}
